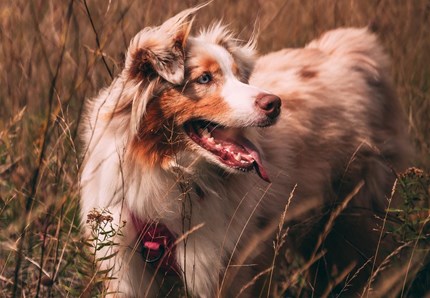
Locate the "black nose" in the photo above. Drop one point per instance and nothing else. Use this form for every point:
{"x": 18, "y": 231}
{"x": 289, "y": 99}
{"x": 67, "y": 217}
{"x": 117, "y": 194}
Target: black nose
{"x": 269, "y": 104}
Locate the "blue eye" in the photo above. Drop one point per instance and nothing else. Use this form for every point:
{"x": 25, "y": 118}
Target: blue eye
{"x": 204, "y": 78}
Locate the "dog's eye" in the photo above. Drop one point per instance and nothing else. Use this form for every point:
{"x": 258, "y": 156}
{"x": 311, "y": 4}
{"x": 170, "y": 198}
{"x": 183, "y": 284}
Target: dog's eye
{"x": 204, "y": 78}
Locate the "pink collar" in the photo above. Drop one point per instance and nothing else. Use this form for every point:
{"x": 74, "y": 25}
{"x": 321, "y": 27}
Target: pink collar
{"x": 158, "y": 245}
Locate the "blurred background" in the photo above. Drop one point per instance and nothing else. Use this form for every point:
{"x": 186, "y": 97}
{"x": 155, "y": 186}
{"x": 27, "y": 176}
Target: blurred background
{"x": 56, "y": 54}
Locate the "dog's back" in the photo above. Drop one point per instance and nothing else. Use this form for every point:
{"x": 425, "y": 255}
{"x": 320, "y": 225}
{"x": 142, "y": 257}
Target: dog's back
{"x": 341, "y": 127}
{"x": 341, "y": 120}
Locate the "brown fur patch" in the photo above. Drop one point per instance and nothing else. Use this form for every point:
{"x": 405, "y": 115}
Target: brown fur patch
{"x": 158, "y": 139}
{"x": 141, "y": 67}
{"x": 307, "y": 73}
{"x": 235, "y": 69}
{"x": 194, "y": 102}
{"x": 209, "y": 64}
{"x": 203, "y": 64}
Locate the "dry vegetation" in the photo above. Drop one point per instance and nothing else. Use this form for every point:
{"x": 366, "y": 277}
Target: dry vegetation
{"x": 56, "y": 54}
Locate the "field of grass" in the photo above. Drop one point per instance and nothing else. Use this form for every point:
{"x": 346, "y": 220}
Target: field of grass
{"x": 56, "y": 54}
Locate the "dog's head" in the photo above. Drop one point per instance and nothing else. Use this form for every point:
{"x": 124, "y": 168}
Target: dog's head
{"x": 192, "y": 94}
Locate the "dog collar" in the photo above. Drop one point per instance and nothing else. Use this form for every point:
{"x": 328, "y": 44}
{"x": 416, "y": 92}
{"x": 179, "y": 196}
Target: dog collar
{"x": 157, "y": 246}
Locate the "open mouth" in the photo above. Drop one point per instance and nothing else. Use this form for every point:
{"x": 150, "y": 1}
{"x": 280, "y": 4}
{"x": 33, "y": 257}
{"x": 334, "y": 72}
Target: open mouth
{"x": 228, "y": 145}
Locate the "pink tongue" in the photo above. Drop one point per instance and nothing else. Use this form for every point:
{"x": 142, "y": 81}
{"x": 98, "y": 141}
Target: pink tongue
{"x": 261, "y": 171}
{"x": 258, "y": 165}
{"x": 230, "y": 135}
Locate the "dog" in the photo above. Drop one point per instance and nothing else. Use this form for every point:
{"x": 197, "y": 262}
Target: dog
{"x": 201, "y": 151}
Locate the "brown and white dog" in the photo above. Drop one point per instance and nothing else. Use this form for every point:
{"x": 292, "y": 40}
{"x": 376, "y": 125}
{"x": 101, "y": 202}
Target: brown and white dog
{"x": 173, "y": 142}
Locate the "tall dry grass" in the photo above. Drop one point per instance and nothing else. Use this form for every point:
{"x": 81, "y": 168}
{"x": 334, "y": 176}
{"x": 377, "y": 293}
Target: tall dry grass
{"x": 56, "y": 54}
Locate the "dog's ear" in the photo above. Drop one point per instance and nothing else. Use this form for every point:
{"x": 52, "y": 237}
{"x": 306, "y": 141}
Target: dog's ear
{"x": 160, "y": 51}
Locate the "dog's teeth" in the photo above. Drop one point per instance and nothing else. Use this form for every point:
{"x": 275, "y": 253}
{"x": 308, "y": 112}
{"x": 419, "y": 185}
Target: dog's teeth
{"x": 243, "y": 161}
{"x": 227, "y": 149}
{"x": 211, "y": 140}
{"x": 206, "y": 133}
{"x": 238, "y": 157}
{"x": 218, "y": 146}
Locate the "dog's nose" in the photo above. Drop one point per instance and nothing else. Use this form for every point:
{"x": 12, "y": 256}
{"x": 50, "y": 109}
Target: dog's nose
{"x": 270, "y": 104}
